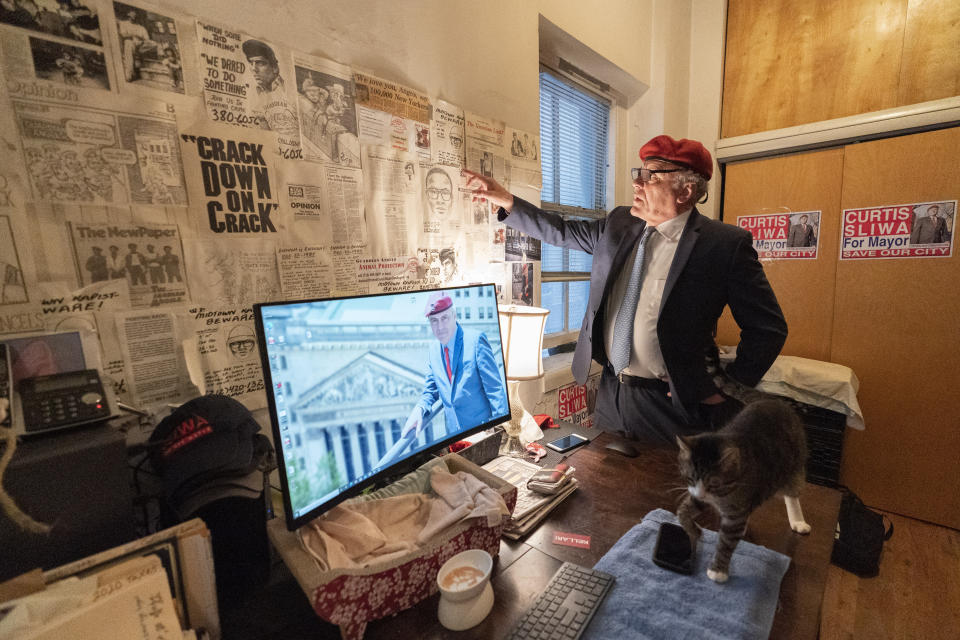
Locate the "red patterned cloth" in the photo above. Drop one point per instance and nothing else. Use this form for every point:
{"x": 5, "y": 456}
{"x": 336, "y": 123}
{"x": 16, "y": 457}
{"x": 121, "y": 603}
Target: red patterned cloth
{"x": 351, "y": 601}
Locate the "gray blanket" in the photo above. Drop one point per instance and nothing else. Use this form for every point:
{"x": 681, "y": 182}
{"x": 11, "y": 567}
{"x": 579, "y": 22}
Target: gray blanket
{"x": 649, "y": 602}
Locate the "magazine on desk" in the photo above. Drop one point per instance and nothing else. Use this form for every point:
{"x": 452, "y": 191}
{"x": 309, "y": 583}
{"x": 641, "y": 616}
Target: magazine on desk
{"x": 532, "y": 506}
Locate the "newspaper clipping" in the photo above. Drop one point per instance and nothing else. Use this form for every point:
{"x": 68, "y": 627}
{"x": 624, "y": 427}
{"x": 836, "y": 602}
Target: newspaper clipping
{"x": 243, "y": 84}
{"x": 222, "y": 355}
{"x": 90, "y": 156}
{"x": 487, "y": 153}
{"x": 149, "y": 348}
{"x": 149, "y": 48}
{"x": 232, "y": 179}
{"x": 326, "y": 203}
{"x": 235, "y": 273}
{"x": 524, "y": 158}
{"x": 305, "y": 272}
{"x": 13, "y": 287}
{"x": 790, "y": 236}
{"x": 447, "y": 140}
{"x": 912, "y": 230}
{"x": 392, "y": 97}
{"x": 148, "y": 257}
{"x": 392, "y": 202}
{"x": 328, "y": 118}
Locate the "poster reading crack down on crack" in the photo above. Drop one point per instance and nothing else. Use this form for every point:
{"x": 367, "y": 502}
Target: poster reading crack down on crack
{"x": 232, "y": 179}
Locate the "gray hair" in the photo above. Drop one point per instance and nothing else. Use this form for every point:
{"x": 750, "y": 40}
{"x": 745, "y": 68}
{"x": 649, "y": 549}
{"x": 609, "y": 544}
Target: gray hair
{"x": 697, "y": 181}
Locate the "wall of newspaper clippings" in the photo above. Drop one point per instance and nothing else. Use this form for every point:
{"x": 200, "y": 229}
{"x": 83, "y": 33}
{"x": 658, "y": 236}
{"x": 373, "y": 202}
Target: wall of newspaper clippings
{"x": 165, "y": 171}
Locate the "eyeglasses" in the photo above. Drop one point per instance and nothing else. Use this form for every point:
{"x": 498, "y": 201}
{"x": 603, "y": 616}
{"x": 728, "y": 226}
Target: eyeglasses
{"x": 439, "y": 194}
{"x": 644, "y": 175}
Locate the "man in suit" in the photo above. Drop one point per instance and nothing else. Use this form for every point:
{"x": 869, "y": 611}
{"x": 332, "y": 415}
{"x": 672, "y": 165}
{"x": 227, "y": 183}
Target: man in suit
{"x": 655, "y": 383}
{"x": 929, "y": 229}
{"x": 801, "y": 234}
{"x": 461, "y": 372}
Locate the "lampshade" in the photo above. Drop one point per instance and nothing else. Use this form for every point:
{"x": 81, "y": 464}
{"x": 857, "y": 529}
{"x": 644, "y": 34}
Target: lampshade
{"x": 521, "y": 329}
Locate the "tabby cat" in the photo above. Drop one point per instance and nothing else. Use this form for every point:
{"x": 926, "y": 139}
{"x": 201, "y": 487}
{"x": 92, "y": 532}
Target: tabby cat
{"x": 762, "y": 451}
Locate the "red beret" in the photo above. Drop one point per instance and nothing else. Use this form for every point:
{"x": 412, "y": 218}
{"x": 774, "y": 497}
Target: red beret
{"x": 687, "y": 153}
{"x": 438, "y": 302}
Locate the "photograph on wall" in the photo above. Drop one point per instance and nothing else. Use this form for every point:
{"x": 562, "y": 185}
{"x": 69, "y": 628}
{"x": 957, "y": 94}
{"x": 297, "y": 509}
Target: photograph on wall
{"x": 784, "y": 235}
{"x": 13, "y": 288}
{"x": 519, "y": 246}
{"x": 232, "y": 179}
{"x": 245, "y": 84}
{"x": 148, "y": 257}
{"x": 912, "y": 230}
{"x": 327, "y": 113}
{"x": 447, "y": 140}
{"x": 71, "y": 19}
{"x": 69, "y": 65}
{"x": 522, "y": 280}
{"x": 149, "y": 48}
{"x": 84, "y": 155}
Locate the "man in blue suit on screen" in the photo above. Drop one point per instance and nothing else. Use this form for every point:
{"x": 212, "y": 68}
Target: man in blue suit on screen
{"x": 461, "y": 372}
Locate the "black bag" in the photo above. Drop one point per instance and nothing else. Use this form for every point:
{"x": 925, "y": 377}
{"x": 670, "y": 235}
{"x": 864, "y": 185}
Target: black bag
{"x": 859, "y": 537}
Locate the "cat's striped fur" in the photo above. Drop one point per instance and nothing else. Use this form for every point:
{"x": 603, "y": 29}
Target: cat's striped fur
{"x": 761, "y": 452}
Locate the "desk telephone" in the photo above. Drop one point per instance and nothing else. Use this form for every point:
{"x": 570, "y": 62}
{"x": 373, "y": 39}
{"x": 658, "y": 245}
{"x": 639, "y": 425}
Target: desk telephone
{"x": 62, "y": 400}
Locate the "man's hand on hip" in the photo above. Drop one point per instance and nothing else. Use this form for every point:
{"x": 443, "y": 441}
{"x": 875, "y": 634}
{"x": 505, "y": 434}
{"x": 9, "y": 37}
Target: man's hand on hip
{"x": 488, "y": 189}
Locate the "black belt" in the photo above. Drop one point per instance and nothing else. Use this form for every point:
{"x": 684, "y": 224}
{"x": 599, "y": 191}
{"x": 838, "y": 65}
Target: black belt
{"x": 636, "y": 381}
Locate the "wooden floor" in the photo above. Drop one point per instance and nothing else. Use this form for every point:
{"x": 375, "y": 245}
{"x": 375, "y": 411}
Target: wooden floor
{"x": 916, "y": 595}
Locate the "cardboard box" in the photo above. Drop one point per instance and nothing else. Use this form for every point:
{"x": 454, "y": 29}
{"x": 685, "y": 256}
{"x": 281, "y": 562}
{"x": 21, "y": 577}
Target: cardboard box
{"x": 351, "y": 598}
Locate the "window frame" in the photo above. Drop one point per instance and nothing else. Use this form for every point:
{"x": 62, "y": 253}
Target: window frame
{"x": 568, "y": 335}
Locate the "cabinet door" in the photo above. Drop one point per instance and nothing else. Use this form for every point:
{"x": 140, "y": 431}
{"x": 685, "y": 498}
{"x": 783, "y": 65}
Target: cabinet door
{"x": 897, "y": 325}
{"x": 804, "y": 287}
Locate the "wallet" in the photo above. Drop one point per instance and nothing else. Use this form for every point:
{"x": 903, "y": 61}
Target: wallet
{"x": 550, "y": 481}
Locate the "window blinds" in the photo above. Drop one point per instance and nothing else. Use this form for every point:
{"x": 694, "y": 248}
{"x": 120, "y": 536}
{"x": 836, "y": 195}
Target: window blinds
{"x": 573, "y": 145}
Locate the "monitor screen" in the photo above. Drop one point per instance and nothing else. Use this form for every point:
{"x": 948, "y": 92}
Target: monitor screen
{"x": 360, "y": 386}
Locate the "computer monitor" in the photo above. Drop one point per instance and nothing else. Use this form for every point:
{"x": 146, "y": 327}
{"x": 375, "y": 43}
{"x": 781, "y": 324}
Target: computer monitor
{"x": 348, "y": 377}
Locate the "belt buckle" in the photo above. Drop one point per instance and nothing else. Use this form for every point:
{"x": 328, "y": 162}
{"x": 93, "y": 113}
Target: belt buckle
{"x": 620, "y": 377}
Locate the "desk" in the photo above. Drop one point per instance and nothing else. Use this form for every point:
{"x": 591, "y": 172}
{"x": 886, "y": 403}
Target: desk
{"x": 615, "y": 493}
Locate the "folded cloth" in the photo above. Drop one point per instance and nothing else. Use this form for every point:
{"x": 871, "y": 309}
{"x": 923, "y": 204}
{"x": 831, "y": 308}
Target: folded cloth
{"x": 362, "y": 533}
{"x": 647, "y": 601}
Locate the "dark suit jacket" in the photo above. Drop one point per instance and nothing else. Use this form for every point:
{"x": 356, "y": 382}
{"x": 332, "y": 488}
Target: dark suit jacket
{"x": 798, "y": 237}
{"x": 715, "y": 265}
{"x": 477, "y": 392}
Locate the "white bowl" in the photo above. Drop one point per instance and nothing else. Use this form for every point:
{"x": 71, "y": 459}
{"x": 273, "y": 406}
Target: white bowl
{"x": 463, "y": 576}
{"x": 466, "y": 596}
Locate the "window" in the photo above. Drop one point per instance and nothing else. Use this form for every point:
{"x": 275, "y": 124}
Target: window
{"x": 574, "y": 136}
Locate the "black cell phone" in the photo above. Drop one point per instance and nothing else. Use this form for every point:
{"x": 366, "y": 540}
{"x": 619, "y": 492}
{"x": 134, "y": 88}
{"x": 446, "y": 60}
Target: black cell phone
{"x": 673, "y": 550}
{"x": 567, "y": 442}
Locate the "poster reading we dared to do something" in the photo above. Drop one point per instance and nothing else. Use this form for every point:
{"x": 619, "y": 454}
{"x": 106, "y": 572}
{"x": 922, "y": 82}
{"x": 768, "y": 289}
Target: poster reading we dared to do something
{"x": 912, "y": 230}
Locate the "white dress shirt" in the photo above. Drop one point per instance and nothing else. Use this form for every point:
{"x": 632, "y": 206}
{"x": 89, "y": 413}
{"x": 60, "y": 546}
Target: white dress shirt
{"x": 646, "y": 360}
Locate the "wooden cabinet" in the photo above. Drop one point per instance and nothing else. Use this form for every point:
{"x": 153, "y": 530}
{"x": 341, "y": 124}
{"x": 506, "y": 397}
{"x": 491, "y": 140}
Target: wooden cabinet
{"x": 895, "y": 322}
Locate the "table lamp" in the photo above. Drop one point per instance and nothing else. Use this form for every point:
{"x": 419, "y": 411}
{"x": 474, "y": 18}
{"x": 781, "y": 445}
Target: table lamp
{"x": 521, "y": 329}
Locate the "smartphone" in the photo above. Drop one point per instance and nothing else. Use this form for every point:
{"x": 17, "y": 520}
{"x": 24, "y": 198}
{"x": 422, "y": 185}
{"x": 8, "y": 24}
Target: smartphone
{"x": 673, "y": 550}
{"x": 567, "y": 442}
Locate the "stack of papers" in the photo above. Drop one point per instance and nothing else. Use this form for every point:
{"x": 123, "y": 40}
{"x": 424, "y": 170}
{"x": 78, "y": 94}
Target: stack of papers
{"x": 532, "y": 507}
